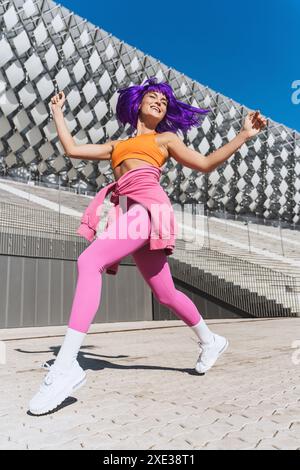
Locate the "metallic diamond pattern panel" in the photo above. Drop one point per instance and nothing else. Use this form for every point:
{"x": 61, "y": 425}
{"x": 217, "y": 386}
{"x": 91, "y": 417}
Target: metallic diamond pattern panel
{"x": 45, "y": 48}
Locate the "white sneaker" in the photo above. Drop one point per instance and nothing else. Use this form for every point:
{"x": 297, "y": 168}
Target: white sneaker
{"x": 210, "y": 353}
{"x": 56, "y": 387}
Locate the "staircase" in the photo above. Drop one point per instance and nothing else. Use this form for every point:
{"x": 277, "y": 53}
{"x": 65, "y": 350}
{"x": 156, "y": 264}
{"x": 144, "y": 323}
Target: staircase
{"x": 261, "y": 283}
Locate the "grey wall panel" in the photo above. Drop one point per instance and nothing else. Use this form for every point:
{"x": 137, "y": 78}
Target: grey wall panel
{"x": 15, "y": 292}
{"x": 29, "y": 292}
{"x": 3, "y": 289}
{"x": 55, "y": 292}
{"x": 42, "y": 293}
{"x": 39, "y": 292}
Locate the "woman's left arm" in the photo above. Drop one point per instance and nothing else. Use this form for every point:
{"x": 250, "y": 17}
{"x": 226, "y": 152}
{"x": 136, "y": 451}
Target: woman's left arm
{"x": 253, "y": 124}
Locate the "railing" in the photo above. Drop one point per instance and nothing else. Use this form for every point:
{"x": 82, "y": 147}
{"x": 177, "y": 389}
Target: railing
{"x": 259, "y": 223}
{"x": 27, "y": 231}
{"x": 48, "y": 184}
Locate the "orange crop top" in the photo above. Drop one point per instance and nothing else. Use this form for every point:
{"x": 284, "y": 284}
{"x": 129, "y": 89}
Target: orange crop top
{"x": 142, "y": 147}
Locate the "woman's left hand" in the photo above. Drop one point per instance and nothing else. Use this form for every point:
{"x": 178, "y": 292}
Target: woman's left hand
{"x": 254, "y": 123}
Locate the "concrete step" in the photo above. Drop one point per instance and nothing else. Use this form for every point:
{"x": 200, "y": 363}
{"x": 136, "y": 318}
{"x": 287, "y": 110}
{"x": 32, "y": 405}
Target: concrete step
{"x": 271, "y": 298}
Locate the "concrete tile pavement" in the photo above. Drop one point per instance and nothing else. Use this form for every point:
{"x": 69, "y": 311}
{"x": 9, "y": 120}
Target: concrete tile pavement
{"x": 143, "y": 393}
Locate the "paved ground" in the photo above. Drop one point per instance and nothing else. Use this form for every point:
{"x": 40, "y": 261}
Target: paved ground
{"x": 142, "y": 392}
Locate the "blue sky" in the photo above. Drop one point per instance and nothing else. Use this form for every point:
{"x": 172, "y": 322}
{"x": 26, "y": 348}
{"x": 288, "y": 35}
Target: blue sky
{"x": 248, "y": 51}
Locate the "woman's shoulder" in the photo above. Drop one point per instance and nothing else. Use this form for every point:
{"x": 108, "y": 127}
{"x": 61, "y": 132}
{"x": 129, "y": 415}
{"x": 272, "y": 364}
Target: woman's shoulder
{"x": 165, "y": 138}
{"x": 169, "y": 135}
{"x": 114, "y": 142}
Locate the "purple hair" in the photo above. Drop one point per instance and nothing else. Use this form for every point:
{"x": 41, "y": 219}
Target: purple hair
{"x": 179, "y": 115}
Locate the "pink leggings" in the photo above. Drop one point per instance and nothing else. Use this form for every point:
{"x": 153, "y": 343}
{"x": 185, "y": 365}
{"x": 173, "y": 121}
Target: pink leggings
{"x": 111, "y": 247}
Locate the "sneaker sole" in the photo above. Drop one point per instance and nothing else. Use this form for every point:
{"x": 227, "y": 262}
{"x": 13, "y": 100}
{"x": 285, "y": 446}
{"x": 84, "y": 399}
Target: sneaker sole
{"x": 219, "y": 354}
{"x": 60, "y": 399}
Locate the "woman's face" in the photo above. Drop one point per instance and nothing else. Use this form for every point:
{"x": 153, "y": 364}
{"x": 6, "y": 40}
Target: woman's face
{"x": 153, "y": 107}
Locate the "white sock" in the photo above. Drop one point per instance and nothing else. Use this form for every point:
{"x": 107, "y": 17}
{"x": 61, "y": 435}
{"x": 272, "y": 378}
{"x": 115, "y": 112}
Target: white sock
{"x": 203, "y": 332}
{"x": 70, "y": 348}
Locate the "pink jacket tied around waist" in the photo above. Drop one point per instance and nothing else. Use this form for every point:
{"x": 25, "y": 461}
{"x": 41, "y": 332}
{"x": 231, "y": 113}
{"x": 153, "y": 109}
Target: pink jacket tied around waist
{"x": 142, "y": 185}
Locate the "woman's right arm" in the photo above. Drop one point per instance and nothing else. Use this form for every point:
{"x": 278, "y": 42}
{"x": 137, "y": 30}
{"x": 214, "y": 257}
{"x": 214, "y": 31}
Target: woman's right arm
{"x": 83, "y": 152}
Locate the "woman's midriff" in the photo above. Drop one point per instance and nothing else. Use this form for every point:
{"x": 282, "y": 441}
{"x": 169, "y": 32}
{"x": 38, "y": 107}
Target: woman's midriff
{"x": 128, "y": 164}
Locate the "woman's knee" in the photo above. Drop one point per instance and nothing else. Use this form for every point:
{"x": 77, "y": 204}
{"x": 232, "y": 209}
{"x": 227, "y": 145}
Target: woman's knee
{"x": 165, "y": 297}
{"x": 87, "y": 262}
{"x": 82, "y": 261}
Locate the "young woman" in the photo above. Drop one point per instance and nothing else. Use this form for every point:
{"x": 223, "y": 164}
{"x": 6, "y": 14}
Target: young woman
{"x": 156, "y": 115}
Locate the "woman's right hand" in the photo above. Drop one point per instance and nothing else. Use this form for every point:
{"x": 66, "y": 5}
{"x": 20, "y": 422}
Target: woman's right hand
{"x": 58, "y": 101}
